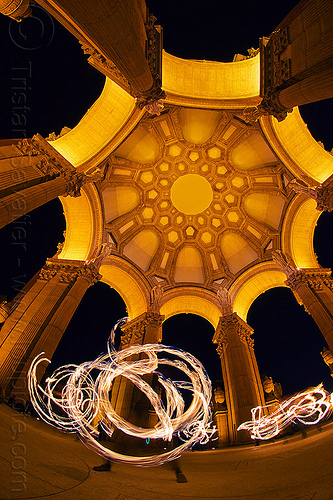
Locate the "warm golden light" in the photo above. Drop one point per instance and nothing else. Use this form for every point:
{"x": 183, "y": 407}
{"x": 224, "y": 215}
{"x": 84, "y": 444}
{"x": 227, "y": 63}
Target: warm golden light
{"x": 191, "y": 194}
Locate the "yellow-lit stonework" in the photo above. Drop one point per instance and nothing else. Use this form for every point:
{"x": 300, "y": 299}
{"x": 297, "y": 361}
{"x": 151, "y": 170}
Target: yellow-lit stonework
{"x": 188, "y": 186}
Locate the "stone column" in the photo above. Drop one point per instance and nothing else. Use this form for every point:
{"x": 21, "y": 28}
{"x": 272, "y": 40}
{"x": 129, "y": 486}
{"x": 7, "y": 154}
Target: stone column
{"x": 128, "y": 401}
{"x": 313, "y": 288}
{"x": 243, "y": 388}
{"x": 27, "y": 190}
{"x": 39, "y": 320}
{"x": 325, "y": 195}
{"x": 121, "y": 40}
{"x": 296, "y": 60}
{"x": 16, "y": 9}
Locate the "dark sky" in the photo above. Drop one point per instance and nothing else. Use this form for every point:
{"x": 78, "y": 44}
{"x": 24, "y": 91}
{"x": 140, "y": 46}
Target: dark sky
{"x": 40, "y": 59}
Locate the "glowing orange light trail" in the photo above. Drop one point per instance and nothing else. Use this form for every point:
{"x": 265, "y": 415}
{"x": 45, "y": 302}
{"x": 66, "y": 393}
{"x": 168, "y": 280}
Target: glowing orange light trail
{"x": 308, "y": 407}
{"x": 84, "y": 397}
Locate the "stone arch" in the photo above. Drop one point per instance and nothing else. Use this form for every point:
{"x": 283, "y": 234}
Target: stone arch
{"x": 298, "y": 231}
{"x": 191, "y": 301}
{"x": 128, "y": 283}
{"x": 254, "y": 282}
{"x": 84, "y": 224}
{"x": 295, "y": 146}
{"x": 107, "y": 117}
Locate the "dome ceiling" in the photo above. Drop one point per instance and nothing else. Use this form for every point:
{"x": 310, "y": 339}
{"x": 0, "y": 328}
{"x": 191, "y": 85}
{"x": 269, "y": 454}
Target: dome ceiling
{"x": 194, "y": 197}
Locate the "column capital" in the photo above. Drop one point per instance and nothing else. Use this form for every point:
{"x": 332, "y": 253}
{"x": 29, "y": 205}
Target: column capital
{"x": 69, "y": 271}
{"x": 16, "y": 9}
{"x": 325, "y": 195}
{"x": 134, "y": 331}
{"x": 53, "y": 164}
{"x": 314, "y": 278}
{"x": 243, "y": 330}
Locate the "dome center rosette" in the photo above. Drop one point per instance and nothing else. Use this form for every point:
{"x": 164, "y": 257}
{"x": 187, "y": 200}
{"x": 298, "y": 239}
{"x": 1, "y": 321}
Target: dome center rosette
{"x": 191, "y": 194}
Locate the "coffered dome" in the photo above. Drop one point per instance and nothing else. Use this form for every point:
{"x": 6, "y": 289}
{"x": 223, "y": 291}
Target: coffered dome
{"x": 194, "y": 196}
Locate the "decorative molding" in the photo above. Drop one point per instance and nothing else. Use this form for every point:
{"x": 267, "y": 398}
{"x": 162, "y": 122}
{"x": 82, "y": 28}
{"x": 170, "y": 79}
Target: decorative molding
{"x": 107, "y": 67}
{"x": 152, "y": 99}
{"x": 69, "y": 271}
{"x": 134, "y": 331}
{"x": 156, "y": 296}
{"x": 315, "y": 279}
{"x": 224, "y": 301}
{"x": 324, "y": 195}
{"x": 276, "y": 75}
{"x": 232, "y": 321}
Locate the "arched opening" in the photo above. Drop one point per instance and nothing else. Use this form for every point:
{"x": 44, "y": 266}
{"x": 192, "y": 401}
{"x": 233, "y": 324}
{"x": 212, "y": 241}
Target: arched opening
{"x": 89, "y": 329}
{"x": 26, "y": 243}
{"x": 287, "y": 342}
{"x": 56, "y": 84}
{"x": 194, "y": 334}
{"x": 323, "y": 239}
{"x": 317, "y": 115}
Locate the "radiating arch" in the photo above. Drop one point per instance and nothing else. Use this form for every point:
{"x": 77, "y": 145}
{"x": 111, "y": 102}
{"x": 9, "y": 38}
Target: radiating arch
{"x": 298, "y": 231}
{"x": 84, "y": 224}
{"x": 106, "y": 117}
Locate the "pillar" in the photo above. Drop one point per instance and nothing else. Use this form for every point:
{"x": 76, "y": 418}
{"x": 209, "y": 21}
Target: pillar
{"x": 313, "y": 288}
{"x": 128, "y": 401}
{"x": 15, "y": 9}
{"x": 39, "y": 320}
{"x": 121, "y": 40}
{"x": 296, "y": 60}
{"x": 39, "y": 174}
{"x": 243, "y": 389}
{"x": 325, "y": 195}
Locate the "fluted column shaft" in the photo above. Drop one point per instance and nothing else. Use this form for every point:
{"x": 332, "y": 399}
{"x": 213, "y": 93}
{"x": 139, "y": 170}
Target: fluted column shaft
{"x": 40, "y": 174}
{"x": 38, "y": 322}
{"x": 313, "y": 288}
{"x": 17, "y": 204}
{"x": 120, "y": 38}
{"x": 297, "y": 58}
{"x": 145, "y": 329}
{"x": 243, "y": 388}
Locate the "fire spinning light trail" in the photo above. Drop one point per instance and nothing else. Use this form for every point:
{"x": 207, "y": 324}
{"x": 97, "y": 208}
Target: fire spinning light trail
{"x": 308, "y": 407}
{"x": 85, "y": 396}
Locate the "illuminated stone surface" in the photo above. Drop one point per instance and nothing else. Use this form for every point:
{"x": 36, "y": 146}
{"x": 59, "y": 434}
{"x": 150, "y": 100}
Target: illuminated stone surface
{"x": 191, "y": 194}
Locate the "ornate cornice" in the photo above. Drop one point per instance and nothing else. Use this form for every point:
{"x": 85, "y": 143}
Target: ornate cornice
{"x": 315, "y": 279}
{"x": 152, "y": 99}
{"x": 69, "y": 271}
{"x": 52, "y": 164}
{"x": 232, "y": 321}
{"x": 17, "y": 9}
{"x": 107, "y": 67}
{"x": 325, "y": 195}
{"x": 134, "y": 331}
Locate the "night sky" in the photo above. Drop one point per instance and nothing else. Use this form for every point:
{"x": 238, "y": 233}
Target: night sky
{"x": 45, "y": 63}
